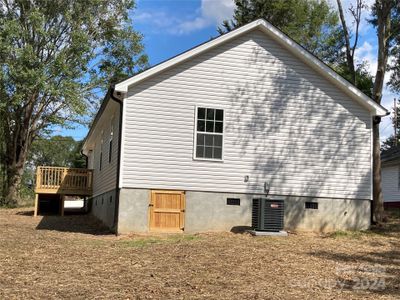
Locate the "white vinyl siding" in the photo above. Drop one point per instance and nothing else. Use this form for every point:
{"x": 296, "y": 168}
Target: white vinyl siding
{"x": 390, "y": 183}
{"x": 284, "y": 124}
{"x": 104, "y": 180}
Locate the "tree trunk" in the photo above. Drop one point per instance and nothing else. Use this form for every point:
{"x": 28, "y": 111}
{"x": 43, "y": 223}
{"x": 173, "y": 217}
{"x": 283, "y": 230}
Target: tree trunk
{"x": 349, "y": 52}
{"x": 14, "y": 172}
{"x": 14, "y": 177}
{"x": 383, "y": 9}
{"x": 17, "y": 145}
{"x": 377, "y": 203}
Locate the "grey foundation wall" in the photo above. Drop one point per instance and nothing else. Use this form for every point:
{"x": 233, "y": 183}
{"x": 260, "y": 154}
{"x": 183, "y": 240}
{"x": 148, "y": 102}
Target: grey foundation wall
{"x": 207, "y": 211}
{"x": 103, "y": 208}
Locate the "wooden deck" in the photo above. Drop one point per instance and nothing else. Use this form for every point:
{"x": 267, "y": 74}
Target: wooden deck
{"x": 62, "y": 181}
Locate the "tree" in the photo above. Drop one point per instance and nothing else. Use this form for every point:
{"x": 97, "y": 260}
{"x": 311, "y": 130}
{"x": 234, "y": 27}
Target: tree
{"x": 356, "y": 12}
{"x": 385, "y": 15}
{"x": 55, "y": 151}
{"x": 311, "y": 23}
{"x": 2, "y": 165}
{"x": 56, "y": 57}
{"x": 394, "y": 139}
{"x": 363, "y": 78}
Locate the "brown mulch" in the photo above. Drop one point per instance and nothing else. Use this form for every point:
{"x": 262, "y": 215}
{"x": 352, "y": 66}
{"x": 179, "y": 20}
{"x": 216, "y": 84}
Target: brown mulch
{"x": 73, "y": 257}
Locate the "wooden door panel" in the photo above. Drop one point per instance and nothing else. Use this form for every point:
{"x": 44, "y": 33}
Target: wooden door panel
{"x": 167, "y": 210}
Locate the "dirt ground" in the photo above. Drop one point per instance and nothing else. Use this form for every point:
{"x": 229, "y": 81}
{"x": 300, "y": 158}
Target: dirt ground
{"x": 72, "y": 257}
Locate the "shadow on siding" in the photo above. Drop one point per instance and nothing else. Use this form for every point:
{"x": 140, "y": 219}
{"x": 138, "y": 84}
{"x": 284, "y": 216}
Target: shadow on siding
{"x": 269, "y": 124}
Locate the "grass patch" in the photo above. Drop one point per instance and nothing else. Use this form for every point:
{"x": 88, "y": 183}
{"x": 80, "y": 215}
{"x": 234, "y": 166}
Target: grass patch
{"x": 351, "y": 234}
{"x": 147, "y": 241}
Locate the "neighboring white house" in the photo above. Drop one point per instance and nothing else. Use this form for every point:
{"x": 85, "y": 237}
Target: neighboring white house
{"x": 207, "y": 131}
{"x": 391, "y": 177}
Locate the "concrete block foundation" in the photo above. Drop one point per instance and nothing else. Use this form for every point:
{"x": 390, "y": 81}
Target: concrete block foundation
{"x": 207, "y": 211}
{"x": 103, "y": 208}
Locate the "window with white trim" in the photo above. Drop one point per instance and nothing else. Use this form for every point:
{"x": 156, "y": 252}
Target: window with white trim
{"x": 398, "y": 178}
{"x": 101, "y": 152}
{"x": 209, "y": 133}
{"x": 110, "y": 142}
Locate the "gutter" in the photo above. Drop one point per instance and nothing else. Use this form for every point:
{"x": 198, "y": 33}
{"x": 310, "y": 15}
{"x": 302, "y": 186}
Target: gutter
{"x": 117, "y": 189}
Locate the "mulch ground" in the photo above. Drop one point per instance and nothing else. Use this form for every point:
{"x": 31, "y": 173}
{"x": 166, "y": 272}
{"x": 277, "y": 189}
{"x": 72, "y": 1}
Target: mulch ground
{"x": 73, "y": 257}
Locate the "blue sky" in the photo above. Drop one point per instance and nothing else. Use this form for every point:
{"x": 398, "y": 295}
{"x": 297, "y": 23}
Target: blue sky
{"x": 170, "y": 27}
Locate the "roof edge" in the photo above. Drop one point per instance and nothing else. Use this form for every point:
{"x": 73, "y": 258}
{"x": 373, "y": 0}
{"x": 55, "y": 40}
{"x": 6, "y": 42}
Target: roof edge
{"x": 308, "y": 58}
{"x": 99, "y": 113}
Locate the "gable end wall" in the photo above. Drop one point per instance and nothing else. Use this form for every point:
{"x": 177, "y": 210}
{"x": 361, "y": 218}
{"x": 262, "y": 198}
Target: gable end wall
{"x": 285, "y": 125}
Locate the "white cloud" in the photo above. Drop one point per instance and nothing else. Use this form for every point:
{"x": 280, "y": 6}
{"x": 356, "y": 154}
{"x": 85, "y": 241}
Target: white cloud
{"x": 217, "y": 10}
{"x": 367, "y": 53}
{"x": 210, "y": 13}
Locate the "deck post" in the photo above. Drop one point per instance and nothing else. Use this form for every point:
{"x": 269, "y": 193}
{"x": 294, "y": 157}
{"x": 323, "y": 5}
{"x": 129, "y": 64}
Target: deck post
{"x": 35, "y": 212}
{"x": 62, "y": 205}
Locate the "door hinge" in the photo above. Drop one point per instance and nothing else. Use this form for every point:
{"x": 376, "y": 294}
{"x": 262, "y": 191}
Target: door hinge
{"x": 151, "y": 205}
{"x": 182, "y": 210}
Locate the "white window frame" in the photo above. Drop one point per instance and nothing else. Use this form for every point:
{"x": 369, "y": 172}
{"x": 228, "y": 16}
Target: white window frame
{"x": 110, "y": 141}
{"x": 398, "y": 178}
{"x": 101, "y": 151}
{"x": 222, "y": 134}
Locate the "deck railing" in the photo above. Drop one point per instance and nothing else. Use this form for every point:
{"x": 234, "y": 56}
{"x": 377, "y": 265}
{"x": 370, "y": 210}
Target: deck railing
{"x": 62, "y": 180}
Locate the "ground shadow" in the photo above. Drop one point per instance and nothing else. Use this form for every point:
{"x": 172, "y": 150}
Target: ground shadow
{"x": 27, "y": 213}
{"x": 240, "y": 229}
{"x": 73, "y": 222}
{"x": 368, "y": 267}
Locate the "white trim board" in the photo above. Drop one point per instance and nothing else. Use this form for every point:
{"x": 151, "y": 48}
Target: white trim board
{"x": 281, "y": 38}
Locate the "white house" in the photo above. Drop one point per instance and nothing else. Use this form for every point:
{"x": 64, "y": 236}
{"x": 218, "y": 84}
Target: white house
{"x": 391, "y": 177}
{"x": 246, "y": 113}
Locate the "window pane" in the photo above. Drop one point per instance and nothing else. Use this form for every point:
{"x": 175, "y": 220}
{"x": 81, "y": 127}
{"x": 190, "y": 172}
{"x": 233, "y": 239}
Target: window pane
{"x": 199, "y": 151}
{"x": 209, "y": 152}
{"x": 219, "y": 115}
{"x": 201, "y": 113}
{"x": 210, "y": 113}
{"x": 219, "y": 127}
{"x": 217, "y": 140}
{"x": 210, "y": 126}
{"x": 110, "y": 152}
{"x": 200, "y": 139}
{"x": 217, "y": 153}
{"x": 209, "y": 140}
{"x": 201, "y": 125}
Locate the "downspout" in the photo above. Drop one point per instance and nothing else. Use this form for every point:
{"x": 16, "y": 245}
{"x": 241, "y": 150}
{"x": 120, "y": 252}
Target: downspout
{"x": 117, "y": 190}
{"x": 86, "y": 158}
{"x": 86, "y": 206}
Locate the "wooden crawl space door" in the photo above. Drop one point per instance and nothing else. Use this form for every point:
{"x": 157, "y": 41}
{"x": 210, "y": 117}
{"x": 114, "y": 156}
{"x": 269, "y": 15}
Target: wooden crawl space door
{"x": 167, "y": 210}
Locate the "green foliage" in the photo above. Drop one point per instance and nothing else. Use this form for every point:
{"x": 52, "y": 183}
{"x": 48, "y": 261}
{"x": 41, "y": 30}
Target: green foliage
{"x": 393, "y": 141}
{"x": 56, "y": 58}
{"x": 55, "y": 55}
{"x": 59, "y": 151}
{"x": 393, "y": 6}
{"x": 394, "y": 65}
{"x": 364, "y": 80}
{"x": 311, "y": 23}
